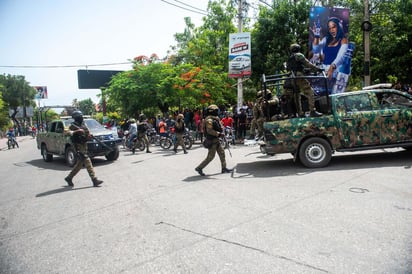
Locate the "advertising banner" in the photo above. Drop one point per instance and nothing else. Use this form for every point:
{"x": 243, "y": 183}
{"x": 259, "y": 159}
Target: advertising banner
{"x": 329, "y": 46}
{"x": 41, "y": 92}
{"x": 240, "y": 62}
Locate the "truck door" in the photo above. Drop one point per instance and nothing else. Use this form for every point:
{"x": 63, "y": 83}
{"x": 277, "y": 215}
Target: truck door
{"x": 396, "y": 112}
{"x": 51, "y": 137}
{"x": 358, "y": 122}
{"x": 60, "y": 140}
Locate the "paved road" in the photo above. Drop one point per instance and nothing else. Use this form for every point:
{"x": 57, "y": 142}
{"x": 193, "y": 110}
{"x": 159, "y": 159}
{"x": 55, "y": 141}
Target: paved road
{"x": 154, "y": 214}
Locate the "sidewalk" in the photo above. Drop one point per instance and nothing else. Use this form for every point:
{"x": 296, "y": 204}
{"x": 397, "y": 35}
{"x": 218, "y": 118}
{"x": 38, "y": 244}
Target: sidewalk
{"x": 3, "y": 141}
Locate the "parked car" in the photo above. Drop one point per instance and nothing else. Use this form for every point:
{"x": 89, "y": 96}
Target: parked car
{"x": 57, "y": 141}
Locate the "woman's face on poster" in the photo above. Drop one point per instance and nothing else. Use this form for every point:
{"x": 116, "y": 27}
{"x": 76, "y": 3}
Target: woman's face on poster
{"x": 333, "y": 29}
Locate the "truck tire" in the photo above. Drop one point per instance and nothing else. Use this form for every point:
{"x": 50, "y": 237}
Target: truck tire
{"x": 113, "y": 155}
{"x": 70, "y": 156}
{"x": 47, "y": 157}
{"x": 315, "y": 152}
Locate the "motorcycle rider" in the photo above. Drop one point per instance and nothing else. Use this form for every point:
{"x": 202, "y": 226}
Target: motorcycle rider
{"x": 213, "y": 129}
{"x": 142, "y": 128}
{"x": 132, "y": 132}
{"x": 80, "y": 134}
{"x": 11, "y": 136}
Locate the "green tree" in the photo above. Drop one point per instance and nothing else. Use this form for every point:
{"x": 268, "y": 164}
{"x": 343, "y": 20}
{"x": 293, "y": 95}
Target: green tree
{"x": 17, "y": 93}
{"x": 87, "y": 107}
{"x": 4, "y": 114}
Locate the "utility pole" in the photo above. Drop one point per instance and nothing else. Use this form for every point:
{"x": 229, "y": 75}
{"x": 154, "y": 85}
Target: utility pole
{"x": 366, "y": 27}
{"x": 240, "y": 79}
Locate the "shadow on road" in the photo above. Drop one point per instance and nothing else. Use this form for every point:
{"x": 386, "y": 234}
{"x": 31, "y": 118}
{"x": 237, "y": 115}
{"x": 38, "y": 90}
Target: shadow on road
{"x": 286, "y": 167}
{"x": 60, "y": 190}
{"x": 59, "y": 163}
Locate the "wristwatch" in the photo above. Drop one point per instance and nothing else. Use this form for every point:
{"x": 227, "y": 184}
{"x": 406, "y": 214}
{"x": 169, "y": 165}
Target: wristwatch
{"x": 333, "y": 66}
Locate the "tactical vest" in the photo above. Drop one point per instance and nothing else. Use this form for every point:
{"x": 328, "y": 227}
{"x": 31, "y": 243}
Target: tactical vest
{"x": 216, "y": 126}
{"x": 79, "y": 137}
{"x": 293, "y": 64}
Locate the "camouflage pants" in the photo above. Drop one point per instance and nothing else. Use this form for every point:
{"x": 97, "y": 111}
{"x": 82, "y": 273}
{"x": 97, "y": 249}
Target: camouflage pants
{"x": 82, "y": 159}
{"x": 257, "y": 124}
{"x": 216, "y": 147}
{"x": 145, "y": 140}
{"x": 179, "y": 142}
{"x": 304, "y": 88}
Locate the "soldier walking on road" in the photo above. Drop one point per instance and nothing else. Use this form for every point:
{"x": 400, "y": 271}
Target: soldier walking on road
{"x": 179, "y": 131}
{"x": 80, "y": 134}
{"x": 213, "y": 129}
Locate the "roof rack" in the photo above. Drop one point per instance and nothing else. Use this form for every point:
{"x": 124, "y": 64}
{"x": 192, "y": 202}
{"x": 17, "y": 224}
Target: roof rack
{"x": 378, "y": 86}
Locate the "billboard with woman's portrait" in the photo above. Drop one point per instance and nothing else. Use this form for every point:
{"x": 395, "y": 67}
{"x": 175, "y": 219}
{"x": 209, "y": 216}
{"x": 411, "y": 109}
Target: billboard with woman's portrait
{"x": 329, "y": 46}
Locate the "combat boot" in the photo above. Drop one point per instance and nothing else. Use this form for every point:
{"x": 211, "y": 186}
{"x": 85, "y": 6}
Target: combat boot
{"x": 96, "y": 182}
{"x": 200, "y": 171}
{"x": 69, "y": 181}
{"x": 314, "y": 113}
{"x": 226, "y": 170}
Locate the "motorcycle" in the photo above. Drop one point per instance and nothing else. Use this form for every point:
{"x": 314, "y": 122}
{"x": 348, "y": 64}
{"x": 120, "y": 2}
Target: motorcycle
{"x": 230, "y": 135}
{"x": 166, "y": 141}
{"x": 188, "y": 138}
{"x": 11, "y": 142}
{"x": 135, "y": 143}
{"x": 153, "y": 137}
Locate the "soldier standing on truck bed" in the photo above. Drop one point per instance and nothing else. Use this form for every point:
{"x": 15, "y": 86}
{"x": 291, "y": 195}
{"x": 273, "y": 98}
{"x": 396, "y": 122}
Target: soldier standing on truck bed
{"x": 297, "y": 62}
{"x": 80, "y": 134}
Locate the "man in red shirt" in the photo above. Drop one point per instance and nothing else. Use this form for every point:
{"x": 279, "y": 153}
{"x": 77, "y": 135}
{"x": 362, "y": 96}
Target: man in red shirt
{"x": 227, "y": 121}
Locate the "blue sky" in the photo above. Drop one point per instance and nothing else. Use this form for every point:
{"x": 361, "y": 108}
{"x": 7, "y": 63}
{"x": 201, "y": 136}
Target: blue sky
{"x": 84, "y": 32}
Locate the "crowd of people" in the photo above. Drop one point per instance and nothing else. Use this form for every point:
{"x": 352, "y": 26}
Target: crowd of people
{"x": 238, "y": 120}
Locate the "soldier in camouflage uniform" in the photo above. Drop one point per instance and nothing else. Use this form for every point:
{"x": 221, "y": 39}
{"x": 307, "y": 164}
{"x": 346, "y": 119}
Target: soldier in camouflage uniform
{"x": 296, "y": 63}
{"x": 80, "y": 134}
{"x": 142, "y": 128}
{"x": 179, "y": 131}
{"x": 213, "y": 129}
{"x": 258, "y": 116}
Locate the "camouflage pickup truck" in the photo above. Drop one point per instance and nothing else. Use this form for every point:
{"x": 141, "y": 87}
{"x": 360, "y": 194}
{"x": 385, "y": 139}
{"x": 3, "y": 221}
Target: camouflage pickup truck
{"x": 359, "y": 120}
{"x": 57, "y": 141}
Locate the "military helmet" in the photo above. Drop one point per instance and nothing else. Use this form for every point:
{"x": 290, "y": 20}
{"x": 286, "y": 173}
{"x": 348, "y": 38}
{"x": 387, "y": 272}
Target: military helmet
{"x": 259, "y": 94}
{"x": 294, "y": 48}
{"x": 213, "y": 110}
{"x": 77, "y": 116}
{"x": 142, "y": 117}
{"x": 132, "y": 120}
{"x": 212, "y": 107}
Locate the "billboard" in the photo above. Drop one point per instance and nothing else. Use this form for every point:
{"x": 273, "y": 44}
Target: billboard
{"x": 41, "y": 92}
{"x": 95, "y": 79}
{"x": 329, "y": 46}
{"x": 240, "y": 62}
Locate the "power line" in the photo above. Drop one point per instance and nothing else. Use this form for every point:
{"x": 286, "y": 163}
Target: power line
{"x": 198, "y": 12}
{"x": 65, "y": 66}
{"x": 190, "y": 6}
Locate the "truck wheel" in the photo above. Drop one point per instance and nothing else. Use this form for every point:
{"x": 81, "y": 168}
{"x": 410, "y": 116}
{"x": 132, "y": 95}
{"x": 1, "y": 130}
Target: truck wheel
{"x": 113, "y": 155}
{"x": 70, "y": 156}
{"x": 315, "y": 152}
{"x": 47, "y": 157}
